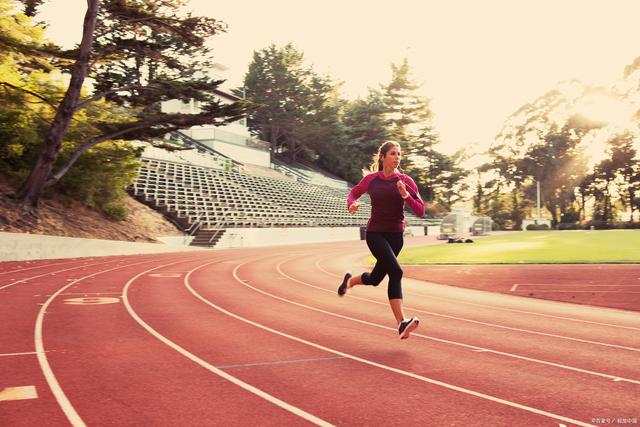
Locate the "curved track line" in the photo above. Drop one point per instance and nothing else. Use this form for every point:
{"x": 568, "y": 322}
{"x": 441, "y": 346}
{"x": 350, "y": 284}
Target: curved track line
{"x": 381, "y": 366}
{"x": 53, "y": 272}
{"x": 472, "y": 347}
{"x": 52, "y": 381}
{"x": 462, "y": 319}
{"x": 45, "y": 264}
{"x": 272, "y": 399}
{"x": 457, "y": 301}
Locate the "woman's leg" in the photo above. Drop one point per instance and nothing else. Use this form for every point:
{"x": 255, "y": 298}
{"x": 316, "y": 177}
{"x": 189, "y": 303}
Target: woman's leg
{"x": 383, "y": 253}
{"x": 405, "y": 326}
{"x": 385, "y": 247}
{"x": 379, "y": 248}
{"x": 394, "y": 291}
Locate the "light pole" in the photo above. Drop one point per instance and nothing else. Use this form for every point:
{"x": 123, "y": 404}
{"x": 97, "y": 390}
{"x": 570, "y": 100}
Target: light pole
{"x": 538, "y": 198}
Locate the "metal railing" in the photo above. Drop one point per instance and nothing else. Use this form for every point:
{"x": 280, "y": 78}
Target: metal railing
{"x": 189, "y": 141}
{"x": 218, "y": 227}
{"x": 193, "y": 228}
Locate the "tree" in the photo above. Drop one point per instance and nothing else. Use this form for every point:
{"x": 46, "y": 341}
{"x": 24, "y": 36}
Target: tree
{"x": 558, "y": 164}
{"x": 616, "y": 177}
{"x": 409, "y": 120}
{"x": 135, "y": 52}
{"x": 625, "y": 161}
{"x": 454, "y": 188}
{"x": 365, "y": 130}
{"x": 544, "y": 142}
{"x": 409, "y": 115}
{"x": 31, "y": 7}
{"x": 297, "y": 108}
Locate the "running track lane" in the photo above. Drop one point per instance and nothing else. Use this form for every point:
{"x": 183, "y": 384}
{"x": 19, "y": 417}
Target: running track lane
{"x": 492, "y": 374}
{"x": 599, "y": 343}
{"x": 21, "y": 304}
{"x": 606, "y": 285}
{"x": 112, "y": 371}
{"x": 276, "y": 363}
{"x": 306, "y": 376}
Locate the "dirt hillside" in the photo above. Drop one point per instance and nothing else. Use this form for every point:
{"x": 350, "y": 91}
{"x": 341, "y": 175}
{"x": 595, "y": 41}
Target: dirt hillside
{"x": 59, "y": 217}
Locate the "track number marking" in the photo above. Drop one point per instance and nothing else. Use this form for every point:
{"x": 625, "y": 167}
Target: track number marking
{"x": 18, "y": 393}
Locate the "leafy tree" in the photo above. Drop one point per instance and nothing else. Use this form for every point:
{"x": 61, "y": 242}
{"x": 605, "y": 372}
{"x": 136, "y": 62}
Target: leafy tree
{"x": 26, "y": 98}
{"x": 409, "y": 114}
{"x": 365, "y": 130}
{"x": 543, "y": 142}
{"x": 100, "y": 176}
{"x": 139, "y": 53}
{"x": 616, "y": 178}
{"x": 27, "y": 105}
{"x": 626, "y": 164}
{"x": 298, "y": 110}
{"x": 440, "y": 177}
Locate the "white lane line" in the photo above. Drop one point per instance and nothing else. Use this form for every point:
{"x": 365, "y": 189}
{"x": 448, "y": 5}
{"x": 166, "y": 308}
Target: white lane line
{"x": 52, "y": 381}
{"x": 51, "y": 273}
{"x": 20, "y": 270}
{"x": 266, "y": 396}
{"x": 568, "y": 291}
{"x": 17, "y": 354}
{"x": 280, "y": 362}
{"x": 472, "y": 347}
{"x": 376, "y": 364}
{"x": 579, "y": 285}
{"x": 457, "y": 301}
{"x": 493, "y": 307}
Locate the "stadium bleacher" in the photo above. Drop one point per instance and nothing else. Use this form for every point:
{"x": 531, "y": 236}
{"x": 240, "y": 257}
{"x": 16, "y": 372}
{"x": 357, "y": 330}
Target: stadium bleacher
{"x": 189, "y": 190}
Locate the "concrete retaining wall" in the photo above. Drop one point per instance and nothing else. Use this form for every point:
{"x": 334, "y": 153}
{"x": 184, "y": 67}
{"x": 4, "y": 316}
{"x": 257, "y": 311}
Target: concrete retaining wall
{"x": 20, "y": 246}
{"x": 251, "y": 237}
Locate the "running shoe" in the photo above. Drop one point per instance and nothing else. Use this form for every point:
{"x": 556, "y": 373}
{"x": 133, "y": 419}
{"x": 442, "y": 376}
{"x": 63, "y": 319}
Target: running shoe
{"x": 344, "y": 286}
{"x": 406, "y": 326}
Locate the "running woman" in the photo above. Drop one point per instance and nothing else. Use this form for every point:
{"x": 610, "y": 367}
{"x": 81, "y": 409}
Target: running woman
{"x": 389, "y": 191}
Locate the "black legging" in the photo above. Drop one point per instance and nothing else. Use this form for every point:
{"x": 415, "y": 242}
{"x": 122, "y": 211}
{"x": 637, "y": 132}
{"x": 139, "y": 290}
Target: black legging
{"x": 385, "y": 247}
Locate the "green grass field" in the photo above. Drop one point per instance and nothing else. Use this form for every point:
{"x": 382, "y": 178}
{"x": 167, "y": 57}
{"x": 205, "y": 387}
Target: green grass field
{"x": 534, "y": 247}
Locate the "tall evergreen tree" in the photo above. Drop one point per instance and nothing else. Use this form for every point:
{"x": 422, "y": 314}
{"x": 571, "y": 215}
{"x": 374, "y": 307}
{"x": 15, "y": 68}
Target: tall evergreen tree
{"x": 140, "y": 53}
{"x": 409, "y": 115}
{"x": 409, "y": 120}
{"x": 297, "y": 108}
{"x": 366, "y": 129}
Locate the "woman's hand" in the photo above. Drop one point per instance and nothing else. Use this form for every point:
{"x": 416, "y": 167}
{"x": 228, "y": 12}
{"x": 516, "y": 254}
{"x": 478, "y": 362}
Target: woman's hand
{"x": 354, "y": 207}
{"x": 402, "y": 188}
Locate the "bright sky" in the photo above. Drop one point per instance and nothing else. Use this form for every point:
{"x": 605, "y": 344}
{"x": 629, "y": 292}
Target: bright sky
{"x": 478, "y": 61}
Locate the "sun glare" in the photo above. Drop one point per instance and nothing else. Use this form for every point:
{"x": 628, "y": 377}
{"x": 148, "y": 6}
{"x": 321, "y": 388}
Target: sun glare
{"x": 615, "y": 113}
{"x": 608, "y": 109}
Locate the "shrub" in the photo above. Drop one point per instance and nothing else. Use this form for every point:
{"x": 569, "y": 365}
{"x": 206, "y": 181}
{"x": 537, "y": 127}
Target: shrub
{"x": 114, "y": 211}
{"x": 534, "y": 227}
{"x": 572, "y": 226}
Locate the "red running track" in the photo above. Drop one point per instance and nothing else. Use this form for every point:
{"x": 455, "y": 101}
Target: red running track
{"x": 259, "y": 337}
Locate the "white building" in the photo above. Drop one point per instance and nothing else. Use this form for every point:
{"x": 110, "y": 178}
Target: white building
{"x": 232, "y": 140}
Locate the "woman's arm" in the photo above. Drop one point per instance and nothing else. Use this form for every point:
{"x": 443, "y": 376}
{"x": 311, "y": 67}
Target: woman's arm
{"x": 414, "y": 200}
{"x": 361, "y": 188}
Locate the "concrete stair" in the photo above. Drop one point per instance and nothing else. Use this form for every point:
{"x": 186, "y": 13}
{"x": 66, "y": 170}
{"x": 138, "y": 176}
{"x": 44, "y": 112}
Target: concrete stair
{"x": 207, "y": 237}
